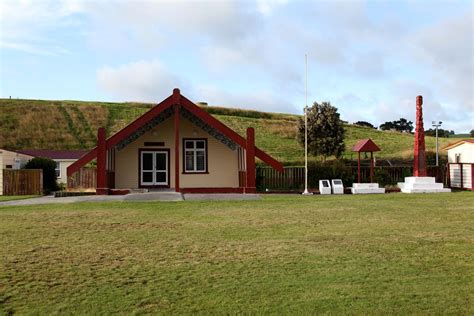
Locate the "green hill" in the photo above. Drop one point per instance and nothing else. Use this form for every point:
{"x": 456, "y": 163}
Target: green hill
{"x": 40, "y": 124}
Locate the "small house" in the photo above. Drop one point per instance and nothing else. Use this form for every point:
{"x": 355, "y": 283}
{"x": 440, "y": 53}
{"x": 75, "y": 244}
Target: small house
{"x": 461, "y": 164}
{"x": 63, "y": 159}
{"x": 10, "y": 159}
{"x": 176, "y": 146}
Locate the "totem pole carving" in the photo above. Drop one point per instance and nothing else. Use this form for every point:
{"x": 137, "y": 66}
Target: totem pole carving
{"x": 419, "y": 159}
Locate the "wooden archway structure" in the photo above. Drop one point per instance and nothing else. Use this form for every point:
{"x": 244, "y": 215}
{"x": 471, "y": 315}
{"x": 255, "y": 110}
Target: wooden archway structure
{"x": 365, "y": 146}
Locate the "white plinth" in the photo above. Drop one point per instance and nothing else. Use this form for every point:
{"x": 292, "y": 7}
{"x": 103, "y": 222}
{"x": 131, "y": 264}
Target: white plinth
{"x": 366, "y": 188}
{"x": 337, "y": 186}
{"x": 422, "y": 185}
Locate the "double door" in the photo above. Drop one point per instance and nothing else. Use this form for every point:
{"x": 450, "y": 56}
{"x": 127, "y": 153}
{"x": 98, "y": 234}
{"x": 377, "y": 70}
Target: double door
{"x": 154, "y": 168}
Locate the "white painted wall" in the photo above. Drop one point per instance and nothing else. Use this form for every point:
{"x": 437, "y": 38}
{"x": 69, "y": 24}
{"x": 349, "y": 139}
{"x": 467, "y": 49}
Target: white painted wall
{"x": 466, "y": 150}
{"x": 455, "y": 176}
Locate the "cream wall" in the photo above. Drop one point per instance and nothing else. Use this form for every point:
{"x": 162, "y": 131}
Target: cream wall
{"x": 222, "y": 161}
{"x": 63, "y": 164}
{"x": 466, "y": 150}
{"x": 8, "y": 158}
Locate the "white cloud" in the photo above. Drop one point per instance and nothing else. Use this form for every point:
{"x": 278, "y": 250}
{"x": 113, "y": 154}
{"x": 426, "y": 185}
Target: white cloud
{"x": 176, "y": 22}
{"x": 25, "y": 23}
{"x": 266, "y": 7}
{"x": 260, "y": 100}
{"x": 447, "y": 49}
{"x": 147, "y": 81}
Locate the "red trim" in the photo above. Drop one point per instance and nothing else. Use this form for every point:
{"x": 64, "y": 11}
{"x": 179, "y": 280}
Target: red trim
{"x": 119, "y": 191}
{"x": 209, "y": 119}
{"x": 122, "y": 134}
{"x": 101, "y": 162}
{"x": 371, "y": 167}
{"x": 175, "y": 98}
{"x": 358, "y": 167}
{"x": 212, "y": 190}
{"x": 140, "y": 150}
{"x": 176, "y": 143}
{"x": 365, "y": 145}
{"x": 472, "y": 176}
{"x": 81, "y": 162}
{"x": 250, "y": 160}
{"x": 102, "y": 191}
{"x": 206, "y": 171}
{"x": 139, "y": 122}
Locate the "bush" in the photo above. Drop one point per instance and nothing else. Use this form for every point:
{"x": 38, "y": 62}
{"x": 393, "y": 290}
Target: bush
{"x": 383, "y": 178}
{"x": 49, "y": 172}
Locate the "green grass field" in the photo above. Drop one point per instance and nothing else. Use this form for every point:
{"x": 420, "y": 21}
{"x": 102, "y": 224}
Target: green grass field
{"x": 385, "y": 254}
{"x": 73, "y": 125}
{"x": 4, "y": 198}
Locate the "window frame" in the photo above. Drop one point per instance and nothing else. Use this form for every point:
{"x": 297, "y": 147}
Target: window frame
{"x": 58, "y": 169}
{"x": 194, "y": 150}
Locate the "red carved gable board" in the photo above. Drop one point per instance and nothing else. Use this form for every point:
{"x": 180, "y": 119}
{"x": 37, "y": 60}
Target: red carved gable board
{"x": 175, "y": 99}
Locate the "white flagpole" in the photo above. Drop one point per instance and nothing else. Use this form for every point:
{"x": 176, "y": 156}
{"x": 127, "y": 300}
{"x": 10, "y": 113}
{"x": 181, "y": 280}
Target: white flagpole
{"x": 306, "y": 192}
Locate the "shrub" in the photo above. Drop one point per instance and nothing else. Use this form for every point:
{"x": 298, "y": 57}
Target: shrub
{"x": 49, "y": 172}
{"x": 382, "y": 177}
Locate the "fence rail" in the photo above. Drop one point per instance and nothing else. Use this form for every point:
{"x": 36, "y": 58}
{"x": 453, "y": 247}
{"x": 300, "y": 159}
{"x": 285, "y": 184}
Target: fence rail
{"x": 293, "y": 177}
{"x": 22, "y": 182}
{"x": 84, "y": 178}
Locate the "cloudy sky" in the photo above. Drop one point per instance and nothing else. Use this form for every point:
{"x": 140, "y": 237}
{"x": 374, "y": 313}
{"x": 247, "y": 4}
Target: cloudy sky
{"x": 368, "y": 58}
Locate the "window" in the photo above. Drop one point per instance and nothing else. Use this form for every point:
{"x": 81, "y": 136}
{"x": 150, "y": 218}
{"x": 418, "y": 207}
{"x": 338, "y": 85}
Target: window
{"x": 457, "y": 157}
{"x": 195, "y": 155}
{"x": 58, "y": 170}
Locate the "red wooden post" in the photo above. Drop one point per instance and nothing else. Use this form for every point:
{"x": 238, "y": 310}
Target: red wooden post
{"x": 371, "y": 167}
{"x": 101, "y": 188}
{"x": 358, "y": 168}
{"x": 250, "y": 159}
{"x": 419, "y": 156}
{"x": 176, "y": 99}
{"x": 448, "y": 178}
{"x": 472, "y": 177}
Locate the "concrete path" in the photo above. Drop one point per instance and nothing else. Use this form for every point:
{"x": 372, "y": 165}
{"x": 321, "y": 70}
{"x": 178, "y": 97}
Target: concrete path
{"x": 150, "y": 196}
{"x": 220, "y": 197}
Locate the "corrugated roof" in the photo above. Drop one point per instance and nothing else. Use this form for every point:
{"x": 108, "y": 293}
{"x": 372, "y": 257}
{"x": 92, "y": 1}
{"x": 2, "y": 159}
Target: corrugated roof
{"x": 54, "y": 154}
{"x": 365, "y": 145}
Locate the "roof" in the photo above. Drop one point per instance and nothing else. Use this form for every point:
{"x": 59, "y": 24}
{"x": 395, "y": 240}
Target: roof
{"x": 175, "y": 99}
{"x": 54, "y": 154}
{"x": 458, "y": 143}
{"x": 365, "y": 145}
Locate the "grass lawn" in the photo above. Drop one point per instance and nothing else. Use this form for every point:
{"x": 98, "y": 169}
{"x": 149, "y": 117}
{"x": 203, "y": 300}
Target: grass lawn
{"x": 380, "y": 254}
{"x": 4, "y": 198}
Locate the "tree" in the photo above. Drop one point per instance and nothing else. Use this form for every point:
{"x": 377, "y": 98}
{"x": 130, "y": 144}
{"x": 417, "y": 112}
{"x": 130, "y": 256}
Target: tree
{"x": 364, "y": 123}
{"x": 325, "y": 131}
{"x": 471, "y": 133}
{"x": 49, "y": 172}
{"x": 441, "y": 132}
{"x": 402, "y": 125}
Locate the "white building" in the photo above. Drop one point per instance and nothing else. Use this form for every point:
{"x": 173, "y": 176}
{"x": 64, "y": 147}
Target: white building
{"x": 10, "y": 159}
{"x": 461, "y": 164}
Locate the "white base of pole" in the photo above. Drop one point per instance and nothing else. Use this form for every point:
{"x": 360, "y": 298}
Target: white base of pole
{"x": 306, "y": 192}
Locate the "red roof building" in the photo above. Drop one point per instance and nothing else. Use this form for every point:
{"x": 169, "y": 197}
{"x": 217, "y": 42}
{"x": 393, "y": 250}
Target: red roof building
{"x": 176, "y": 145}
